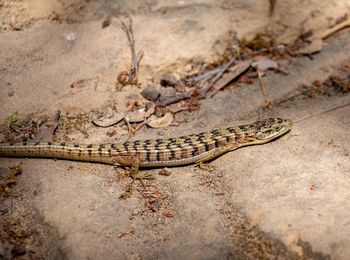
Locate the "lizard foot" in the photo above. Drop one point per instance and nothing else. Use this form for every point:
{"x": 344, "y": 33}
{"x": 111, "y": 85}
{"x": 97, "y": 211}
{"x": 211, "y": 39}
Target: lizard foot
{"x": 206, "y": 167}
{"x": 142, "y": 176}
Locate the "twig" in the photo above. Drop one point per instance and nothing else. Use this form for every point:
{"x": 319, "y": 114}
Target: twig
{"x": 135, "y": 59}
{"x": 193, "y": 79}
{"x": 173, "y": 99}
{"x": 323, "y": 112}
{"x": 261, "y": 83}
{"x": 237, "y": 71}
{"x": 217, "y": 77}
{"x": 272, "y": 4}
{"x": 325, "y": 34}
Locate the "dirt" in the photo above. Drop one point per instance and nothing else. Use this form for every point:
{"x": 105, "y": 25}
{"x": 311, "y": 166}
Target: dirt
{"x": 287, "y": 199}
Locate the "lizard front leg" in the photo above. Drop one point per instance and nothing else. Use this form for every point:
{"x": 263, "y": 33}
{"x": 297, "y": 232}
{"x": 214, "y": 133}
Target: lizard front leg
{"x": 203, "y": 163}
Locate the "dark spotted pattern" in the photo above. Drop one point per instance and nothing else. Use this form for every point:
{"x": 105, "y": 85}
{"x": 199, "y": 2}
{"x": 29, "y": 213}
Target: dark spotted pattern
{"x": 156, "y": 150}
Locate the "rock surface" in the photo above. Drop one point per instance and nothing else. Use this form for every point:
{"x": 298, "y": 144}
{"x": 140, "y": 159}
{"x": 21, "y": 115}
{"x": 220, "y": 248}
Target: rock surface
{"x": 287, "y": 199}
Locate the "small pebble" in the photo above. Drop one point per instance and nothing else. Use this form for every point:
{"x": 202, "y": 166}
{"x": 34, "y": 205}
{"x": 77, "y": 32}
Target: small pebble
{"x": 150, "y": 92}
{"x": 69, "y": 36}
{"x": 169, "y": 80}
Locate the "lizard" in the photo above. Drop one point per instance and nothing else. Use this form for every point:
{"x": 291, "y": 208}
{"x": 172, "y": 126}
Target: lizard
{"x": 151, "y": 153}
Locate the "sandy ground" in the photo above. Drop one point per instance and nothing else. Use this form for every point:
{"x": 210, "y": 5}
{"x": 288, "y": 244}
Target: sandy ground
{"x": 286, "y": 199}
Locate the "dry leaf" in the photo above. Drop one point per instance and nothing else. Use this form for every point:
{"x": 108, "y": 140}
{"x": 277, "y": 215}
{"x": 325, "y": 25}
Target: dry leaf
{"x": 136, "y": 116}
{"x": 131, "y": 231}
{"x": 161, "y": 122}
{"x": 109, "y": 118}
{"x": 236, "y": 71}
{"x": 150, "y": 109}
{"x": 165, "y": 172}
{"x": 313, "y": 47}
{"x": 46, "y": 132}
{"x": 264, "y": 65}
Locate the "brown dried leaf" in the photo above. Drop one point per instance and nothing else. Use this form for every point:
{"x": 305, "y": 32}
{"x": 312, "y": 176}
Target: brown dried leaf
{"x": 165, "y": 172}
{"x": 245, "y": 79}
{"x": 109, "y": 118}
{"x": 161, "y": 122}
{"x": 236, "y": 71}
{"x": 47, "y": 131}
{"x": 150, "y": 109}
{"x": 315, "y": 46}
{"x": 131, "y": 231}
{"x": 168, "y": 214}
{"x": 107, "y": 22}
{"x": 11, "y": 180}
{"x": 136, "y": 116}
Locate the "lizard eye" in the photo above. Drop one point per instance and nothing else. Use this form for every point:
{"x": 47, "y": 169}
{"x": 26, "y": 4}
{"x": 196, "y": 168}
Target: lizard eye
{"x": 277, "y": 128}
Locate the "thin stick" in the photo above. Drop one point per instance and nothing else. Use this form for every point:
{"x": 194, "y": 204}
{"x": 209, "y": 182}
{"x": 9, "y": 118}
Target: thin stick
{"x": 323, "y": 112}
{"x": 203, "y": 76}
{"x": 173, "y": 99}
{"x": 217, "y": 77}
{"x": 324, "y": 34}
{"x": 135, "y": 59}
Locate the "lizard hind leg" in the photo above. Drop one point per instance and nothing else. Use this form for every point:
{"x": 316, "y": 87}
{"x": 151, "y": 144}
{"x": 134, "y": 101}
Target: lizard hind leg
{"x": 134, "y": 169}
{"x": 136, "y": 174}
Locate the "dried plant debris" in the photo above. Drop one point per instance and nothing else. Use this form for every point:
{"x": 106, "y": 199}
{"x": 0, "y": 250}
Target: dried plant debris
{"x": 70, "y": 122}
{"x": 130, "y": 231}
{"x": 130, "y": 77}
{"x": 123, "y": 78}
{"x": 213, "y": 80}
{"x": 272, "y": 4}
{"x": 85, "y": 82}
{"x": 265, "y": 64}
{"x": 47, "y": 131}
{"x": 335, "y": 84}
{"x": 16, "y": 237}
{"x": 314, "y": 47}
{"x": 174, "y": 99}
{"x": 236, "y": 71}
{"x": 325, "y": 34}
{"x": 21, "y": 128}
{"x": 22, "y": 234}
{"x": 260, "y": 42}
{"x": 169, "y": 214}
{"x": 176, "y": 94}
{"x": 127, "y": 191}
{"x": 136, "y": 116}
{"x": 310, "y": 43}
{"x": 170, "y": 80}
{"x": 246, "y": 61}
{"x": 165, "y": 172}
{"x": 108, "y": 118}
{"x": 155, "y": 199}
{"x": 338, "y": 83}
{"x": 164, "y": 121}
{"x": 107, "y": 22}
{"x": 11, "y": 180}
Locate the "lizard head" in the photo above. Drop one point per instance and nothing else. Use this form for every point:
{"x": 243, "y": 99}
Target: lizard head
{"x": 271, "y": 128}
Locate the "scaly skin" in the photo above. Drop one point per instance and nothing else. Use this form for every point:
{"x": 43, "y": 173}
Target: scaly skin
{"x": 183, "y": 150}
